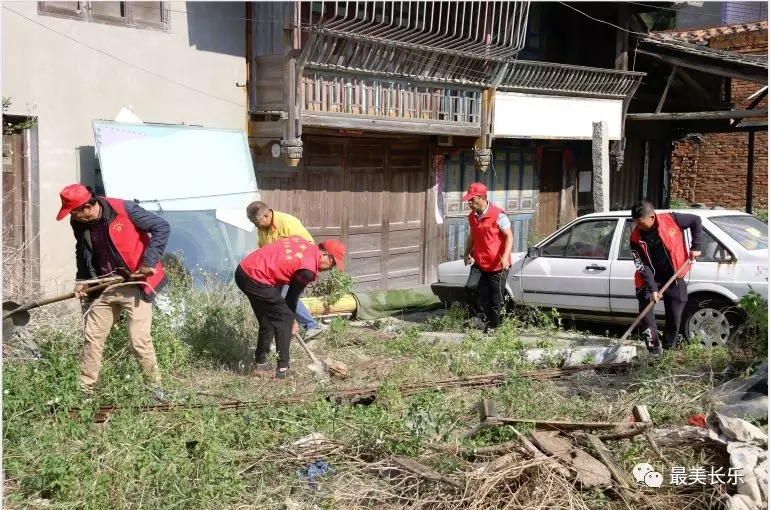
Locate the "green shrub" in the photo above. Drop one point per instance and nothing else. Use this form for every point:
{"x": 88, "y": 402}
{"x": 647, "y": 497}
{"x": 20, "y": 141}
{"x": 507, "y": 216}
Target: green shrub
{"x": 333, "y": 286}
{"x": 676, "y": 203}
{"x": 754, "y": 331}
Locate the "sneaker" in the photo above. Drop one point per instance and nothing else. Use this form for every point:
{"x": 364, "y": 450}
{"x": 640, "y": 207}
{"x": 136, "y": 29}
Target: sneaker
{"x": 477, "y": 323}
{"x": 281, "y": 373}
{"x": 310, "y": 333}
{"x": 262, "y": 367}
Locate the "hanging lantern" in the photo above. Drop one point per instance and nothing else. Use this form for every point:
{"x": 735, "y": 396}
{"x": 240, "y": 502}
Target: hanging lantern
{"x": 291, "y": 150}
{"x": 482, "y": 158}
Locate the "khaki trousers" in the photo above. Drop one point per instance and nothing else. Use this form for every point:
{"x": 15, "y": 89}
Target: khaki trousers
{"x": 103, "y": 313}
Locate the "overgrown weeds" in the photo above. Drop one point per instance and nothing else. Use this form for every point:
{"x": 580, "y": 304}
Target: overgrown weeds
{"x": 753, "y": 332}
{"x": 207, "y": 458}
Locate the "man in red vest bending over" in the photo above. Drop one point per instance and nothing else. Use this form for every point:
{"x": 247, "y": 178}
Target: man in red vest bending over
{"x": 659, "y": 250}
{"x": 488, "y": 248}
{"x": 292, "y": 261}
{"x": 115, "y": 237}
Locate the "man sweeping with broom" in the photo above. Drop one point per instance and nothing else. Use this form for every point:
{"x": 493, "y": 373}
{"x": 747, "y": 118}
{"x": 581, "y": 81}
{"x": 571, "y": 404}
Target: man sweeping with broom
{"x": 291, "y": 261}
{"x": 659, "y": 251}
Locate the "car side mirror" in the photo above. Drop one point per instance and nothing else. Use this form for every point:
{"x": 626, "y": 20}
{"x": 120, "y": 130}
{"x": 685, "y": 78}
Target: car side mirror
{"x": 533, "y": 252}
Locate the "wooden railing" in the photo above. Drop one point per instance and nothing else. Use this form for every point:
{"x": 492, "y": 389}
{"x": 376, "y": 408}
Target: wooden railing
{"x": 382, "y": 97}
{"x": 549, "y": 78}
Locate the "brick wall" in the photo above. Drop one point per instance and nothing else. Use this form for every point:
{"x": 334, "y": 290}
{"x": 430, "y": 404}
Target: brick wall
{"x": 713, "y": 170}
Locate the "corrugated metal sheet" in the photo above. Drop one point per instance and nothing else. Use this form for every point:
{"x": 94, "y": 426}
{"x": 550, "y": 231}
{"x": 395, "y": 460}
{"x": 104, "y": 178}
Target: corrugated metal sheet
{"x": 512, "y": 183}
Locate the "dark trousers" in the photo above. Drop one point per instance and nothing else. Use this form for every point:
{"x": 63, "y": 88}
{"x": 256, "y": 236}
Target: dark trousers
{"x": 275, "y": 318}
{"x": 485, "y": 291}
{"x": 674, "y": 301}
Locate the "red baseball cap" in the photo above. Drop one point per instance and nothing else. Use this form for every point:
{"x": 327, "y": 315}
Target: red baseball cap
{"x": 337, "y": 250}
{"x": 72, "y": 197}
{"x": 474, "y": 190}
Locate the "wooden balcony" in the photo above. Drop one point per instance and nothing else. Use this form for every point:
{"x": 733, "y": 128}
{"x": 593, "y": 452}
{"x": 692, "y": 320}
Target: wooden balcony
{"x": 354, "y": 102}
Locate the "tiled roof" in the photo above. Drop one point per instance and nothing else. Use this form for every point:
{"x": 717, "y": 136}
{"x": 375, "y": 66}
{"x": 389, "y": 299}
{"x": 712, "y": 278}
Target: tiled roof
{"x": 703, "y": 35}
{"x": 701, "y": 50}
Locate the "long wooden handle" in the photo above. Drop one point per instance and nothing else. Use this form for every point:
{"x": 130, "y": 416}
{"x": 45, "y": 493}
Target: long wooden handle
{"x": 307, "y": 349}
{"x": 652, "y": 303}
{"x": 57, "y": 299}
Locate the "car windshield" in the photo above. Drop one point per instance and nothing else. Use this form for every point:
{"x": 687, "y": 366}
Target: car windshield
{"x": 747, "y": 231}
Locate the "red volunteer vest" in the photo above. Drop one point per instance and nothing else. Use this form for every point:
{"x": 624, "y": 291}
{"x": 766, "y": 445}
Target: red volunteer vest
{"x": 673, "y": 240}
{"x": 276, "y": 263}
{"x": 488, "y": 242}
{"x": 130, "y": 244}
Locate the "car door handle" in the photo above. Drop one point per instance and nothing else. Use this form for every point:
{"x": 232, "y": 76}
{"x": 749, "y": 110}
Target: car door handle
{"x": 596, "y": 267}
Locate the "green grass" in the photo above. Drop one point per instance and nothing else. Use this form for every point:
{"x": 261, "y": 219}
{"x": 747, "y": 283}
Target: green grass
{"x": 207, "y": 458}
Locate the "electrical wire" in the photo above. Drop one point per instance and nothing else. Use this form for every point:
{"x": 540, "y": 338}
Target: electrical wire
{"x": 478, "y": 76}
{"x": 604, "y": 22}
{"x": 125, "y": 62}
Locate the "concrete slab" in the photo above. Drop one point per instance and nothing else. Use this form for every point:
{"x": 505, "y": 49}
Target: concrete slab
{"x": 581, "y": 355}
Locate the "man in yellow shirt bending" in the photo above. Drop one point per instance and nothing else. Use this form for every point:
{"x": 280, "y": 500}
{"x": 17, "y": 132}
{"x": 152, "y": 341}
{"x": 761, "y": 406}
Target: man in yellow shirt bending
{"x": 272, "y": 226}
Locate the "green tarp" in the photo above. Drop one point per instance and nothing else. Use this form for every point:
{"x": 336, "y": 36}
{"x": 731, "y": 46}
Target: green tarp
{"x": 384, "y": 303}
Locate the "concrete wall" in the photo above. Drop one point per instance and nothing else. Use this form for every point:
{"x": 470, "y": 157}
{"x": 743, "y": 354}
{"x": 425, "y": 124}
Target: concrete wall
{"x": 187, "y": 74}
{"x": 713, "y": 171}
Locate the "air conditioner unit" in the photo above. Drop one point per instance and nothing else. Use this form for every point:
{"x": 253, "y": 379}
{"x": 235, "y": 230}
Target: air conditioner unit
{"x": 444, "y": 141}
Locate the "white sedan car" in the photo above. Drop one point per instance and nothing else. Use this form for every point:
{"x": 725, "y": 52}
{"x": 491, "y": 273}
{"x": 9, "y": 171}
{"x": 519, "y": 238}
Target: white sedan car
{"x": 585, "y": 270}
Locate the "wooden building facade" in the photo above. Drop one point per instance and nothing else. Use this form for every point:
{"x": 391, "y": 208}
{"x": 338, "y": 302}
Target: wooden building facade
{"x": 368, "y": 120}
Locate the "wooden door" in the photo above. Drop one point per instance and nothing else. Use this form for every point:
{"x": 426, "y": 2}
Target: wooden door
{"x": 367, "y": 192}
{"x": 366, "y": 207}
{"x": 550, "y": 192}
{"x": 14, "y": 216}
{"x": 407, "y": 166}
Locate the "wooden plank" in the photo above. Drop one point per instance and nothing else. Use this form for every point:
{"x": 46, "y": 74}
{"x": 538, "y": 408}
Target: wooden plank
{"x": 267, "y": 129}
{"x": 14, "y": 216}
{"x": 589, "y": 471}
{"x": 664, "y": 95}
{"x": 564, "y": 425}
{"x": 760, "y": 76}
{"x": 269, "y": 84}
{"x": 404, "y": 126}
{"x": 550, "y": 192}
{"x": 555, "y": 465}
{"x": 618, "y": 473}
{"x": 736, "y": 114}
{"x": 750, "y": 174}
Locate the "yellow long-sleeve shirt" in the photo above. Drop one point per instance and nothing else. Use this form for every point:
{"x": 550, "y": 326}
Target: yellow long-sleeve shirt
{"x": 284, "y": 225}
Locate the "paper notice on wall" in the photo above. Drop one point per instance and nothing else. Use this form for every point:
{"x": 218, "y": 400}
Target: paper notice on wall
{"x": 438, "y": 187}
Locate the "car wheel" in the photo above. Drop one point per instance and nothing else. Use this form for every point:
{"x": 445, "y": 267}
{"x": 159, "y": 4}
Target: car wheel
{"x": 711, "y": 320}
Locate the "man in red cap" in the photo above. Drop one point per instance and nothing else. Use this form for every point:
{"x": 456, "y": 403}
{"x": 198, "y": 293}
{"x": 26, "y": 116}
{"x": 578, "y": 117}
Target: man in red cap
{"x": 292, "y": 261}
{"x": 116, "y": 237}
{"x": 488, "y": 249}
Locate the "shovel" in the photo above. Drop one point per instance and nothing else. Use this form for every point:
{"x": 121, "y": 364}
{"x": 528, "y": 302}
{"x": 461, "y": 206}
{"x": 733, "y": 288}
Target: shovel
{"x": 318, "y": 366}
{"x": 652, "y": 303}
{"x": 17, "y": 316}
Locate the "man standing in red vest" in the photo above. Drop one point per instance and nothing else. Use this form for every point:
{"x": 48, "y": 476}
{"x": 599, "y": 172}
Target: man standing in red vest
{"x": 488, "y": 249}
{"x": 292, "y": 261}
{"x": 115, "y": 237}
{"x": 659, "y": 250}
